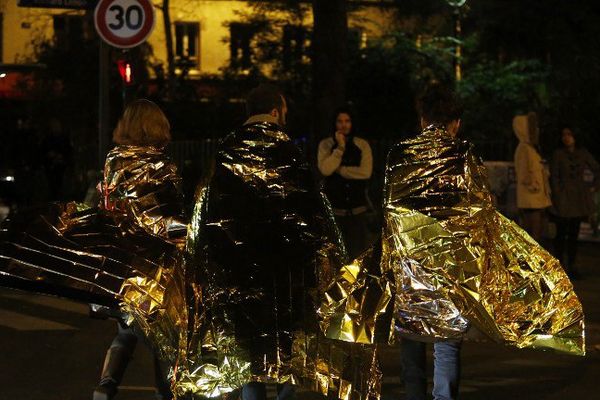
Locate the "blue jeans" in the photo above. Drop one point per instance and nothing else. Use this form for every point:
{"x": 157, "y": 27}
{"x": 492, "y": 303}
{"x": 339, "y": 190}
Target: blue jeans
{"x": 446, "y": 369}
{"x": 258, "y": 391}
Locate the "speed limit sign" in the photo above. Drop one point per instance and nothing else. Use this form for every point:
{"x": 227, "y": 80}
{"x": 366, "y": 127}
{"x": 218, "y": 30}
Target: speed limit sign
{"x": 124, "y": 23}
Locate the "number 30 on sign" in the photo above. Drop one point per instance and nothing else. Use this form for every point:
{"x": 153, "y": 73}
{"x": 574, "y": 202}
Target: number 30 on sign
{"x": 124, "y": 23}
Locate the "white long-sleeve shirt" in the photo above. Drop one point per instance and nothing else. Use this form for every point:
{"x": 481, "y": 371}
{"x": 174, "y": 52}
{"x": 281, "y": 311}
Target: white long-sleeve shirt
{"x": 329, "y": 161}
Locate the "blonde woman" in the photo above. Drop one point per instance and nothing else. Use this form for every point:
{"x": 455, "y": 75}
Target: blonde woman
{"x": 141, "y": 183}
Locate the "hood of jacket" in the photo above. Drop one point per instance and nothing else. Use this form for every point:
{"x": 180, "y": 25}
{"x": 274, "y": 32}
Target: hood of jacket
{"x": 521, "y": 128}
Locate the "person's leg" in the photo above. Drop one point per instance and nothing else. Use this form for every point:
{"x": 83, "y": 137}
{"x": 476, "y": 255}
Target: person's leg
{"x": 446, "y": 370}
{"x": 163, "y": 390}
{"x": 525, "y": 220}
{"x": 537, "y": 224}
{"x": 414, "y": 375}
{"x": 254, "y": 391}
{"x": 362, "y": 232}
{"x": 354, "y": 231}
{"x": 286, "y": 391}
{"x": 531, "y": 221}
{"x": 559, "y": 239}
{"x": 115, "y": 363}
{"x": 572, "y": 234}
{"x": 345, "y": 225}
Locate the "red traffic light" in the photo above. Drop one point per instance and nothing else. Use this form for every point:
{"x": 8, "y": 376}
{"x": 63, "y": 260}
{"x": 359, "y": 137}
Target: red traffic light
{"x": 125, "y": 71}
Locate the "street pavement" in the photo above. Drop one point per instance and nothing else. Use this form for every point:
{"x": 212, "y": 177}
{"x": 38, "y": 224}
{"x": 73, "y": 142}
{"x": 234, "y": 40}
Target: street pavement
{"x": 51, "y": 350}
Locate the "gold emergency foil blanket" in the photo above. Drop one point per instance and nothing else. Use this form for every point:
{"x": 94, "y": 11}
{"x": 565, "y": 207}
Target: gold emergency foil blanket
{"x": 358, "y": 302}
{"x": 203, "y": 321}
{"x": 90, "y": 252}
{"x": 142, "y": 183}
{"x": 261, "y": 246}
{"x": 451, "y": 260}
{"x": 124, "y": 253}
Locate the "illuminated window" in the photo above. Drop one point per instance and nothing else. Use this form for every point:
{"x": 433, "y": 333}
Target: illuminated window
{"x": 294, "y": 44}
{"x": 187, "y": 43}
{"x": 240, "y": 44}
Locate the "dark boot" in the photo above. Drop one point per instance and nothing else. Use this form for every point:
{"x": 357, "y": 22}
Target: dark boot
{"x": 115, "y": 363}
{"x": 163, "y": 389}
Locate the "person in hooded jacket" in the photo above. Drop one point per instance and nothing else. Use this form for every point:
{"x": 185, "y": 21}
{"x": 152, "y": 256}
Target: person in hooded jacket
{"x": 533, "y": 188}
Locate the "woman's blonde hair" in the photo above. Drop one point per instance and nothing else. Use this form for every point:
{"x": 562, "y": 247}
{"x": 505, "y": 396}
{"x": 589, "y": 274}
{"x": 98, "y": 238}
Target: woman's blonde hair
{"x": 143, "y": 124}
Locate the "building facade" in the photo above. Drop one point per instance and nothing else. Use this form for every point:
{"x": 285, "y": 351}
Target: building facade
{"x": 208, "y": 35}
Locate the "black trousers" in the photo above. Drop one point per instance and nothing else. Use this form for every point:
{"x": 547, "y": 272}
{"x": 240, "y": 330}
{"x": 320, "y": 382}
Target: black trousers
{"x": 567, "y": 231}
{"x": 355, "y": 232}
{"x": 127, "y": 339}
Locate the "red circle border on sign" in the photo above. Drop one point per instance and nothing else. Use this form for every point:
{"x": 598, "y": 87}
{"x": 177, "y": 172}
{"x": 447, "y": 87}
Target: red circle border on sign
{"x": 113, "y": 40}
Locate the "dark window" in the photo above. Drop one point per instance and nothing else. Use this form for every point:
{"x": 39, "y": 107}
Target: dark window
{"x": 187, "y": 43}
{"x": 240, "y": 41}
{"x": 294, "y": 44}
{"x": 357, "y": 39}
{"x": 68, "y": 31}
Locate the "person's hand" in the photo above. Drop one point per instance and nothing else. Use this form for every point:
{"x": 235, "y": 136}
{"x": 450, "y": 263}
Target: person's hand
{"x": 340, "y": 138}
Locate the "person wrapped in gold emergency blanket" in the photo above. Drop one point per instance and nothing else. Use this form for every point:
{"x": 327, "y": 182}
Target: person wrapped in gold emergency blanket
{"x": 123, "y": 254}
{"x": 262, "y": 237}
{"x": 448, "y": 260}
{"x": 241, "y": 310}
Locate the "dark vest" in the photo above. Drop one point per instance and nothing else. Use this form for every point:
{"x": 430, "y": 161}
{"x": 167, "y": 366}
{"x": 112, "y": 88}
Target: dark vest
{"x": 346, "y": 194}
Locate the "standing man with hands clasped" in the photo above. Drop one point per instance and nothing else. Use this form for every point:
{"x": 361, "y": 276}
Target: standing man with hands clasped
{"x": 346, "y": 163}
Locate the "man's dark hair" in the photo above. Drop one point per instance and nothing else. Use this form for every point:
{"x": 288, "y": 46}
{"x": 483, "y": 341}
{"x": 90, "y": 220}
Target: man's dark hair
{"x": 263, "y": 99}
{"x": 439, "y": 104}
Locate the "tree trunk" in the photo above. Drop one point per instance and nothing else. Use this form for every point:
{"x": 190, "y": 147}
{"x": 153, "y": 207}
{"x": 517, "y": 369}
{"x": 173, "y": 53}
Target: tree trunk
{"x": 169, "y": 44}
{"x": 330, "y": 60}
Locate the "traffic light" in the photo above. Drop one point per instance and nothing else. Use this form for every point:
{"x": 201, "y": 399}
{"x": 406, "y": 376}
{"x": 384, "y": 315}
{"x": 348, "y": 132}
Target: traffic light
{"x": 125, "y": 71}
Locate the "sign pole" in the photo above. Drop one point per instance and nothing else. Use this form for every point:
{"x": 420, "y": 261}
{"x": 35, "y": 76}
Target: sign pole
{"x": 122, "y": 24}
{"x": 103, "y": 103}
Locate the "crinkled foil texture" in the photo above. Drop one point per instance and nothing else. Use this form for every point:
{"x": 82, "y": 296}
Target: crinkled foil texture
{"x": 262, "y": 244}
{"x": 142, "y": 183}
{"x": 448, "y": 260}
{"x": 241, "y": 306}
{"x": 124, "y": 254}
